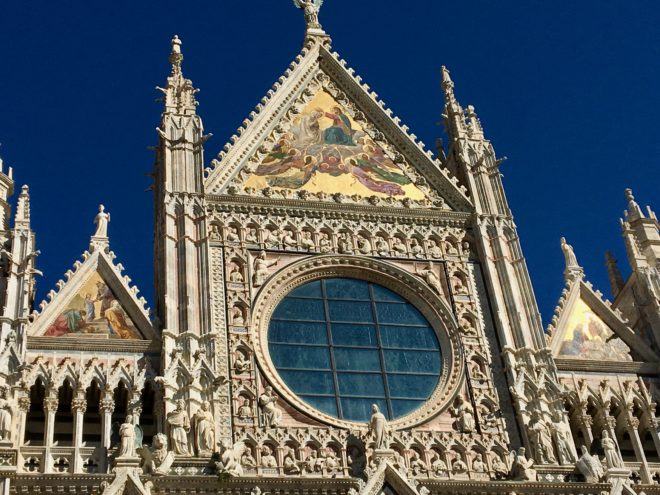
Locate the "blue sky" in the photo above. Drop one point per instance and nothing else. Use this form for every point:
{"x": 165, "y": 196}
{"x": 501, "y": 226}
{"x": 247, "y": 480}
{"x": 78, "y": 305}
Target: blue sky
{"x": 567, "y": 90}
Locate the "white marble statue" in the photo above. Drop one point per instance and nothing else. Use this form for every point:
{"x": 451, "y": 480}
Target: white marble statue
{"x": 270, "y": 414}
{"x": 431, "y": 278}
{"x": 378, "y": 427}
{"x": 179, "y": 422}
{"x": 569, "y": 254}
{"x": 540, "y": 439}
{"x": 5, "y": 416}
{"x": 127, "y": 434}
{"x": 261, "y": 267}
{"x": 521, "y": 467}
{"x": 101, "y": 221}
{"x": 465, "y": 422}
{"x": 204, "y": 430}
{"x": 612, "y": 454}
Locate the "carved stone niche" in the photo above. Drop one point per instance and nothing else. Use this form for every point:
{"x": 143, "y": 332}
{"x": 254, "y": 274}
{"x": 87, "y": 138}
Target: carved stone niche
{"x": 406, "y": 284}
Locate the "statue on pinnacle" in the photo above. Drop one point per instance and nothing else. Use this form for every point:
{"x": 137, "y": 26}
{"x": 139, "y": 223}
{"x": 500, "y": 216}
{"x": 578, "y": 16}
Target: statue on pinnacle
{"x": 311, "y": 9}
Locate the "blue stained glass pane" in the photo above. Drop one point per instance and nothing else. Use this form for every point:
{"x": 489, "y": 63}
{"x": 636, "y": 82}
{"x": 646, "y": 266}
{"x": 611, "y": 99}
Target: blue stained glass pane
{"x": 400, "y": 314}
{"x": 361, "y": 384}
{"x": 346, "y": 288}
{"x": 291, "y": 356}
{"x": 403, "y": 407}
{"x": 327, "y": 405}
{"x": 412, "y": 361}
{"x": 351, "y": 334}
{"x": 310, "y": 289}
{"x": 299, "y": 309}
{"x": 383, "y": 294}
{"x": 350, "y": 311}
{"x": 309, "y": 382}
{"x": 357, "y": 376}
{"x": 412, "y": 386}
{"x": 357, "y": 359}
{"x": 360, "y": 409}
{"x": 409, "y": 337}
{"x": 295, "y": 332}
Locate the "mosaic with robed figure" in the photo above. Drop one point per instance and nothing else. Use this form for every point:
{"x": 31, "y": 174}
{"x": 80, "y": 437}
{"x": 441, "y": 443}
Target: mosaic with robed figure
{"x": 325, "y": 150}
{"x": 93, "y": 312}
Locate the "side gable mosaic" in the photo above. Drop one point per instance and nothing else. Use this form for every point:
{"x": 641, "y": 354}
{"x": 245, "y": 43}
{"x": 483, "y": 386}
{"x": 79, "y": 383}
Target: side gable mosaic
{"x": 94, "y": 312}
{"x": 588, "y": 337}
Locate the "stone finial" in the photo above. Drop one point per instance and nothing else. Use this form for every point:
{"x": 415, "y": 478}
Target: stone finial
{"x": 613, "y": 273}
{"x": 179, "y": 94}
{"x": 573, "y": 268}
{"x": 176, "y": 57}
{"x": 634, "y": 211}
{"x": 23, "y": 206}
{"x": 100, "y": 241}
{"x": 447, "y": 83}
{"x": 311, "y": 9}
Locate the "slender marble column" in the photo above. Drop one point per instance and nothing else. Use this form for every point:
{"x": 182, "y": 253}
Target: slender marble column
{"x": 79, "y": 407}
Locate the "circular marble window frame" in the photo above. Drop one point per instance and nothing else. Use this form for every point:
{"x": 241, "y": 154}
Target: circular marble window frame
{"x": 410, "y": 287}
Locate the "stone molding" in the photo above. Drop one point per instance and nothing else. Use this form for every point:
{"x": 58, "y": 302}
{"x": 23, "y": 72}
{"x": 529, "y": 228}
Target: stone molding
{"x": 429, "y": 304}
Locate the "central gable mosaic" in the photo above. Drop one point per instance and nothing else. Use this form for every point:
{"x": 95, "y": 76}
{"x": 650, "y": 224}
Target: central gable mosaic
{"x": 325, "y": 150}
{"x": 588, "y": 337}
{"x": 93, "y": 312}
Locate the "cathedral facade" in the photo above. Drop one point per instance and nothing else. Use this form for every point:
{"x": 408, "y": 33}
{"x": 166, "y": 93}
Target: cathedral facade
{"x": 338, "y": 311}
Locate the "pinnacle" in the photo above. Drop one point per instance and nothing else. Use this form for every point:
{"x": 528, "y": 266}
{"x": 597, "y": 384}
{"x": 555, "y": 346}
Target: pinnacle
{"x": 634, "y": 211}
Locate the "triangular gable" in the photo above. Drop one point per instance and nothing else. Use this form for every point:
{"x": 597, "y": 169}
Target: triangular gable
{"x": 387, "y": 479}
{"x": 321, "y": 135}
{"x": 96, "y": 302}
{"x": 587, "y": 328}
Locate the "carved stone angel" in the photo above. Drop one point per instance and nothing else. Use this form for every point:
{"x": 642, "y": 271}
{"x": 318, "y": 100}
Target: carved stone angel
{"x": 590, "y": 466}
{"x": 311, "y": 8}
{"x": 230, "y": 459}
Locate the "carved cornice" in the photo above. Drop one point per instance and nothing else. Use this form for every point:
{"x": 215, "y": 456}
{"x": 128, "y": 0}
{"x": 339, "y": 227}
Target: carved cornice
{"x": 318, "y": 209}
{"x": 596, "y": 366}
{"x": 90, "y": 344}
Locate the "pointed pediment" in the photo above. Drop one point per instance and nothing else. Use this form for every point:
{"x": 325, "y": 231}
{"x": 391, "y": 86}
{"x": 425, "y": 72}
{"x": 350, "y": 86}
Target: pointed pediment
{"x": 96, "y": 302}
{"x": 588, "y": 328}
{"x": 388, "y": 480}
{"x": 322, "y": 135}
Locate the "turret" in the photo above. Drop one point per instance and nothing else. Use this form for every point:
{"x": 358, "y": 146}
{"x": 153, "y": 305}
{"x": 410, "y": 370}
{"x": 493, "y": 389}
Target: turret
{"x": 21, "y": 271}
{"x": 472, "y": 158}
{"x": 641, "y": 233}
{"x": 6, "y": 191}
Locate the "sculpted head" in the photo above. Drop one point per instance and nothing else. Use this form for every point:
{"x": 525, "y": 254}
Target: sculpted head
{"x": 374, "y": 408}
{"x": 179, "y": 405}
{"x": 606, "y": 434}
{"x": 205, "y": 405}
{"x": 584, "y": 450}
{"x": 129, "y": 419}
{"x": 160, "y": 442}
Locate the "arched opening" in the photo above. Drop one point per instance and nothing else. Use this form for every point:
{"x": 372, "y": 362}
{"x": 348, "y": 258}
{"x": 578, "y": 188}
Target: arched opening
{"x": 63, "y": 427}
{"x": 120, "y": 396}
{"x": 92, "y": 422}
{"x": 36, "y": 418}
{"x": 147, "y": 417}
